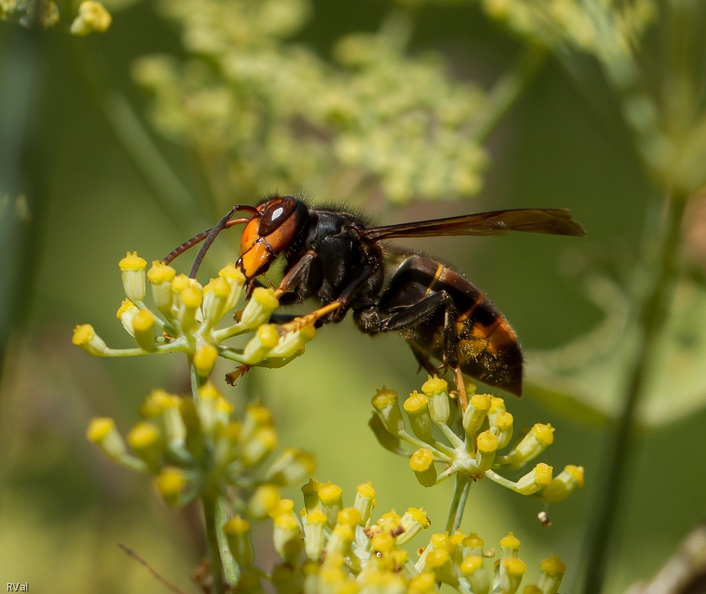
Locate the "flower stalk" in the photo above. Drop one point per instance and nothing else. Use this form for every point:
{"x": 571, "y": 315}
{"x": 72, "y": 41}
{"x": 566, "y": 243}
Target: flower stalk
{"x": 659, "y": 271}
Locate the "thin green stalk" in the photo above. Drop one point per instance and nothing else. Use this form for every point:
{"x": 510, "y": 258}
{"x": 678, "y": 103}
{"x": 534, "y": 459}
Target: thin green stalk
{"x": 458, "y": 503}
{"x": 218, "y": 552}
{"x": 231, "y": 569}
{"x": 210, "y": 505}
{"x": 196, "y": 381}
{"x": 660, "y": 266}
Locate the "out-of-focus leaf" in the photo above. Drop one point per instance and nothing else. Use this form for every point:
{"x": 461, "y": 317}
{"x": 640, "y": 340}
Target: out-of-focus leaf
{"x": 584, "y": 379}
{"x": 560, "y": 398}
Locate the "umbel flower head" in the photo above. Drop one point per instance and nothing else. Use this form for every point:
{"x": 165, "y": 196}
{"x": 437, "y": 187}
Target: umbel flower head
{"x": 330, "y": 547}
{"x": 480, "y": 446}
{"x": 197, "y": 447}
{"x": 188, "y": 317}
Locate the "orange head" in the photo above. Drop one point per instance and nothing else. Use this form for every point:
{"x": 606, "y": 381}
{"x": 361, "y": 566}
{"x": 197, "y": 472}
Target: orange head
{"x": 272, "y": 230}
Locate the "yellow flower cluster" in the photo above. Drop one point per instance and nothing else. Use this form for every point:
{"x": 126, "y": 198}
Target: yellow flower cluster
{"x": 188, "y": 318}
{"x": 482, "y": 431}
{"x": 197, "y": 447}
{"x": 328, "y": 547}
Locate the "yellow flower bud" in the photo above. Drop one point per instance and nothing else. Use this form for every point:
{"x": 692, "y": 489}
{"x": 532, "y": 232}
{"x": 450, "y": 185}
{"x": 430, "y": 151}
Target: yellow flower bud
{"x": 85, "y": 337}
{"x": 364, "y": 500}
{"x": 422, "y": 463}
{"x": 205, "y": 359}
{"x": 265, "y": 498}
{"x": 414, "y": 520}
{"x": 143, "y": 329}
{"x": 564, "y": 484}
{"x": 102, "y": 432}
{"x": 417, "y": 409}
{"x": 260, "y": 345}
{"x": 314, "y": 529}
{"x": 146, "y": 440}
{"x": 92, "y": 18}
{"x": 287, "y": 536}
{"x": 487, "y": 445}
{"x": 536, "y": 480}
{"x": 388, "y": 410}
{"x": 340, "y": 540}
{"x": 237, "y": 531}
{"x": 170, "y": 484}
{"x": 532, "y": 445}
{"x": 436, "y": 390}
{"x": 259, "y": 308}
{"x": 476, "y": 411}
{"x": 349, "y": 516}
{"x": 132, "y": 269}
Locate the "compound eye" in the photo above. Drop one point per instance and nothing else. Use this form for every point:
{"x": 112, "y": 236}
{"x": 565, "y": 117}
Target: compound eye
{"x": 277, "y": 211}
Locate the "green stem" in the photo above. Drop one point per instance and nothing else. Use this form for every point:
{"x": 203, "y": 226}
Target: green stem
{"x": 659, "y": 268}
{"x": 196, "y": 381}
{"x": 438, "y": 449}
{"x": 231, "y": 569}
{"x": 458, "y": 504}
{"x": 210, "y": 505}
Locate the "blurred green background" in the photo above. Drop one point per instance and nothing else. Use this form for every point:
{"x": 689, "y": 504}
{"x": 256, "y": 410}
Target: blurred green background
{"x": 64, "y": 508}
